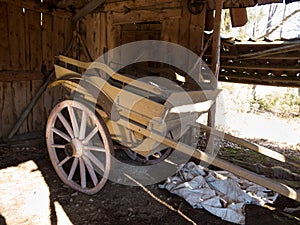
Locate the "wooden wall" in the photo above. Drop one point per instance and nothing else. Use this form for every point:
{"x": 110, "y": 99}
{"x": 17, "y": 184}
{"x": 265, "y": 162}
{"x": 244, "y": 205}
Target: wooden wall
{"x": 28, "y": 41}
{"x": 105, "y": 30}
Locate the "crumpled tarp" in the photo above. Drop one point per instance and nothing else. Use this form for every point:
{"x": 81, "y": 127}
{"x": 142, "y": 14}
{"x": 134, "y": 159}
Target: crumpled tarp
{"x": 219, "y": 192}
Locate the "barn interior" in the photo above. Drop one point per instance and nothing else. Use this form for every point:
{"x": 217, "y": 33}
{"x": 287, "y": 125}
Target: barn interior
{"x": 34, "y": 33}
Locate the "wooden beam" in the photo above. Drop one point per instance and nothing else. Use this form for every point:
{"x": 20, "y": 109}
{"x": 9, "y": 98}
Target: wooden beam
{"x": 139, "y": 16}
{"x": 216, "y": 48}
{"x": 86, "y": 10}
{"x": 270, "y": 68}
{"x": 216, "y": 41}
{"x": 260, "y": 149}
{"x": 272, "y": 51}
{"x": 10, "y": 76}
{"x": 29, "y": 4}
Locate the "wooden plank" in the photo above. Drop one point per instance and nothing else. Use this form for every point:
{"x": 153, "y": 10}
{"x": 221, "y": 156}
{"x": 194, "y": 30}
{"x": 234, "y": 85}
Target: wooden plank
{"x": 38, "y": 116}
{"x": 133, "y": 5}
{"x": 28, "y": 4}
{"x": 7, "y": 102}
{"x": 20, "y": 101}
{"x": 27, "y": 40}
{"x": 47, "y": 42}
{"x": 113, "y": 40}
{"x": 8, "y": 76}
{"x": 92, "y": 27}
{"x": 35, "y": 37}
{"x": 4, "y": 43}
{"x": 139, "y": 16}
{"x": 260, "y": 149}
{"x": 29, "y": 118}
{"x": 103, "y": 33}
{"x": 170, "y": 30}
{"x": 58, "y": 35}
{"x": 197, "y": 32}
{"x": 87, "y": 9}
{"x": 16, "y": 37}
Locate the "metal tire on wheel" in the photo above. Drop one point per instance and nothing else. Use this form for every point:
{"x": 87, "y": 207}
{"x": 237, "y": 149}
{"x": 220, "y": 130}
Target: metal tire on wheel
{"x": 79, "y": 146}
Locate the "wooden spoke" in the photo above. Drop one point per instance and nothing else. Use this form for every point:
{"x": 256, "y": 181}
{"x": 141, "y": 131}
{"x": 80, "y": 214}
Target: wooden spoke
{"x": 82, "y": 173}
{"x": 91, "y": 170}
{"x": 73, "y": 168}
{"x": 94, "y": 148}
{"x": 73, "y": 121}
{"x": 95, "y": 160}
{"x": 82, "y": 125}
{"x": 90, "y": 136}
{"x": 66, "y": 124}
{"x": 64, "y": 161}
{"x": 57, "y": 146}
{"x": 61, "y": 134}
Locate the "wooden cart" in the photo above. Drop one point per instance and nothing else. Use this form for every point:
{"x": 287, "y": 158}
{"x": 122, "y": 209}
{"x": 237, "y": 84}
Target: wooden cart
{"x": 148, "y": 120}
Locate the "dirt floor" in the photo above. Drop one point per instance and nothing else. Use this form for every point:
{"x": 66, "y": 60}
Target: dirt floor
{"x": 31, "y": 193}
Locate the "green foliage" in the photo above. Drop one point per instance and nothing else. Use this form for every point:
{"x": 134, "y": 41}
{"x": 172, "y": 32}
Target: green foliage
{"x": 284, "y": 105}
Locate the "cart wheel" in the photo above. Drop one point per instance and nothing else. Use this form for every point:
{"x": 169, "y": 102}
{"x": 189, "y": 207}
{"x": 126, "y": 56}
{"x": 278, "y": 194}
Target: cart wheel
{"x": 79, "y": 146}
{"x": 150, "y": 160}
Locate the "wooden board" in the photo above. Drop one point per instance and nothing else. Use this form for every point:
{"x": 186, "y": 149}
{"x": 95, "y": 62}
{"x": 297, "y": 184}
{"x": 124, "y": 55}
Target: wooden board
{"x": 4, "y": 43}
{"x": 20, "y": 75}
{"x": 38, "y": 116}
{"x": 140, "y": 16}
{"x": 35, "y": 38}
{"x": 20, "y": 101}
{"x": 47, "y": 41}
{"x": 7, "y": 103}
{"x": 16, "y": 33}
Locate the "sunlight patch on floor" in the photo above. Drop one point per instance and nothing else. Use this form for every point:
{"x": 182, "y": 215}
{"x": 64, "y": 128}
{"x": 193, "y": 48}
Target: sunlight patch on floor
{"x": 24, "y": 196}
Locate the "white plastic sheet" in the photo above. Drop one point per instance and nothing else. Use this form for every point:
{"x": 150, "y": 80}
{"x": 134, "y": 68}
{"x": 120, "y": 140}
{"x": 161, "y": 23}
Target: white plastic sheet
{"x": 219, "y": 192}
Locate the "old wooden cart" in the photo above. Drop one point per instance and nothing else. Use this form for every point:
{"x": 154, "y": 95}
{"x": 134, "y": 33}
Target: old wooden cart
{"x": 137, "y": 114}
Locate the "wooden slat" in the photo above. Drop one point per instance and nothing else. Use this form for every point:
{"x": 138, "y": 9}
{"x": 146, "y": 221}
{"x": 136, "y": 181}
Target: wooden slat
{"x": 7, "y": 103}
{"x": 119, "y": 6}
{"x": 35, "y": 41}
{"x": 196, "y": 32}
{"x": 254, "y": 147}
{"x": 4, "y": 43}
{"x": 103, "y": 33}
{"x": 47, "y": 42}
{"x": 91, "y": 29}
{"x": 139, "y": 16}
{"x": 38, "y": 119}
{"x": 170, "y": 30}
{"x": 20, "y": 101}
{"x": 8, "y": 76}
{"x": 260, "y": 67}
{"x": 58, "y": 35}
{"x": 16, "y": 37}
{"x": 32, "y": 5}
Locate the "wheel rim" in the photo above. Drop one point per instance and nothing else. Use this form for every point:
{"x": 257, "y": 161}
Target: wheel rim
{"x": 79, "y": 146}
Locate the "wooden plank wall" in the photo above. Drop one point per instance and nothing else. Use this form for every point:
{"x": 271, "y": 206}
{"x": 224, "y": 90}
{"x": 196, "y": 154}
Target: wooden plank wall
{"x": 28, "y": 40}
{"x": 178, "y": 25}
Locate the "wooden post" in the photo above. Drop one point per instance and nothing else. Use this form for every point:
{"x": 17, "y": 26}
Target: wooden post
{"x": 216, "y": 46}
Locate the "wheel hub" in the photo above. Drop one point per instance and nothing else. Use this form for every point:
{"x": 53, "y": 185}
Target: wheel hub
{"x": 74, "y": 148}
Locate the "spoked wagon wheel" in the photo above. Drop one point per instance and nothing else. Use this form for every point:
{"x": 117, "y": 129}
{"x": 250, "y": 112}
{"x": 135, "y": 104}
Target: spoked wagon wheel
{"x": 79, "y": 145}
